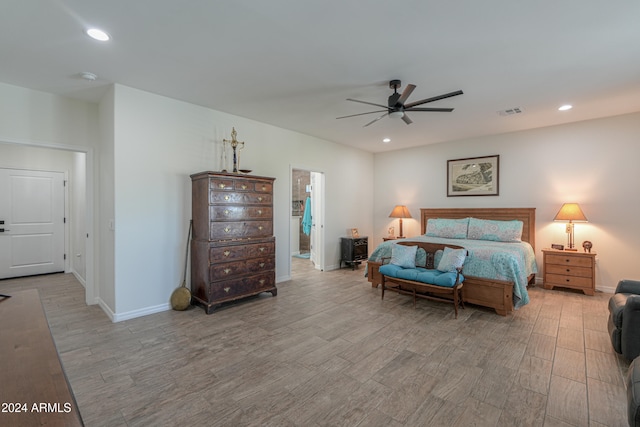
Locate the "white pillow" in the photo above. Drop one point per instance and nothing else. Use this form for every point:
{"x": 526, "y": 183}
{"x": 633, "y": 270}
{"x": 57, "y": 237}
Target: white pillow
{"x": 452, "y": 259}
{"x": 404, "y": 256}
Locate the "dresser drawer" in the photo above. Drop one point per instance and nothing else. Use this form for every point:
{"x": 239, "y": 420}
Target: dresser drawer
{"x": 221, "y": 184}
{"x": 226, "y": 213}
{"x": 240, "y": 230}
{"x": 231, "y": 253}
{"x": 229, "y": 270}
{"x": 569, "y": 281}
{"x": 230, "y": 289}
{"x": 237, "y": 198}
{"x": 569, "y": 270}
{"x": 574, "y": 261}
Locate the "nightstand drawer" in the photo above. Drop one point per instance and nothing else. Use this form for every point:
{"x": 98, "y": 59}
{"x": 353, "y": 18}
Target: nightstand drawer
{"x": 568, "y": 270}
{"x": 569, "y": 281}
{"x": 571, "y": 260}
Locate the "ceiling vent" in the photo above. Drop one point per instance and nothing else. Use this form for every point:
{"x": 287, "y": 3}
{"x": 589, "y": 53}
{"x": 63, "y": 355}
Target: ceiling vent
{"x": 510, "y": 111}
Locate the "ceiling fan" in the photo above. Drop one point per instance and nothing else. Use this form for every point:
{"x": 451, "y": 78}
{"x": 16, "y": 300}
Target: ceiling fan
{"x": 396, "y": 106}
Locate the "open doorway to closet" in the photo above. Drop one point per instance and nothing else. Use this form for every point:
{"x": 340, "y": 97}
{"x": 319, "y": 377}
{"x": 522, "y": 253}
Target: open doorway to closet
{"x": 307, "y": 216}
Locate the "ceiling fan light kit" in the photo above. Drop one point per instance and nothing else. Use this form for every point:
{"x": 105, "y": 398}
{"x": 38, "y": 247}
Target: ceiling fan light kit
{"x": 396, "y": 107}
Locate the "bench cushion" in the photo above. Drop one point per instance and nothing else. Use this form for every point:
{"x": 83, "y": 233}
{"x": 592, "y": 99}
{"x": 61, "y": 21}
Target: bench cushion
{"x": 422, "y": 275}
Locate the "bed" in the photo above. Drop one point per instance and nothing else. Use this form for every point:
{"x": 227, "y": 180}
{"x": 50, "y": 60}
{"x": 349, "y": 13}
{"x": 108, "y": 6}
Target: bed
{"x": 501, "y": 286}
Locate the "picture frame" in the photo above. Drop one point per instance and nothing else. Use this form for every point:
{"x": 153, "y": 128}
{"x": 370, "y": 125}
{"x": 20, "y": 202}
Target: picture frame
{"x": 354, "y": 233}
{"x": 473, "y": 176}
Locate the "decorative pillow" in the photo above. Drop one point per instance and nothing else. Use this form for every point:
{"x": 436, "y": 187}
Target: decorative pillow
{"x": 452, "y": 259}
{"x": 404, "y": 256}
{"x": 449, "y": 228}
{"x": 495, "y": 231}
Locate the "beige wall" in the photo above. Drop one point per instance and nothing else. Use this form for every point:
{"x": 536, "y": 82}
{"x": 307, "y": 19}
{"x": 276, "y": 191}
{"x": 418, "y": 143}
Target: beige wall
{"x": 594, "y": 163}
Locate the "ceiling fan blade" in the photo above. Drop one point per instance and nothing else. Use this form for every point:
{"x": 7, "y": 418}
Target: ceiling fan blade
{"x": 406, "y": 93}
{"x": 368, "y": 103}
{"x": 435, "y": 98}
{"x": 361, "y": 114}
{"x": 406, "y": 119}
{"x": 441, "y": 110}
{"x": 375, "y": 120}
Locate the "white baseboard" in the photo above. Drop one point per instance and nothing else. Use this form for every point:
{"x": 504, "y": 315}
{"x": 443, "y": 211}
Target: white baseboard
{"x": 119, "y": 317}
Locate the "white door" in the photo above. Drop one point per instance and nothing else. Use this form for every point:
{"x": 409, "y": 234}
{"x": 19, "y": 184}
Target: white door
{"x": 317, "y": 223}
{"x": 31, "y": 222}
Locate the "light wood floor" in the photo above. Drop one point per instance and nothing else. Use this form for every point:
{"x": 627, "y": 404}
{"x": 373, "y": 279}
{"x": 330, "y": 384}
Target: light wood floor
{"x": 328, "y": 352}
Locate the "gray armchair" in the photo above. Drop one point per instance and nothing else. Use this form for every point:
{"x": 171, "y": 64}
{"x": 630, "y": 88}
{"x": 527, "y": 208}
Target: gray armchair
{"x": 624, "y": 319}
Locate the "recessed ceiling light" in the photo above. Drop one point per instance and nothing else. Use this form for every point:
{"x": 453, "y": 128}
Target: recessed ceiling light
{"x": 565, "y": 107}
{"x": 386, "y": 140}
{"x": 98, "y": 34}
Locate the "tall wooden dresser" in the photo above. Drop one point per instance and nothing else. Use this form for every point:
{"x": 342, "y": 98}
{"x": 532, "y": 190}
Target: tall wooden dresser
{"x": 232, "y": 248}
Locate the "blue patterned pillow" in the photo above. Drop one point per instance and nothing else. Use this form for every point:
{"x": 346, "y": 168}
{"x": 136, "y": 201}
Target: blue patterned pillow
{"x": 449, "y": 228}
{"x": 404, "y": 256}
{"x": 495, "y": 231}
{"x": 452, "y": 259}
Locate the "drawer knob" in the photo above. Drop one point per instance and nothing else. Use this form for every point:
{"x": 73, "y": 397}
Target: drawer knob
{"x": 227, "y": 253}
{"x": 259, "y": 211}
{"x": 567, "y": 260}
{"x": 261, "y": 249}
{"x": 261, "y": 281}
{"x": 221, "y": 185}
{"x": 226, "y": 211}
{"x": 227, "y": 229}
{"x": 260, "y": 198}
{"x": 227, "y": 270}
{"x": 227, "y": 289}
{"x": 261, "y": 265}
{"x": 244, "y": 187}
{"x": 260, "y": 228}
{"x": 226, "y": 197}
{"x": 264, "y": 187}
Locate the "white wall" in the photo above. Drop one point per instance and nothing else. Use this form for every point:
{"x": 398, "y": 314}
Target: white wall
{"x": 593, "y": 163}
{"x": 158, "y": 142}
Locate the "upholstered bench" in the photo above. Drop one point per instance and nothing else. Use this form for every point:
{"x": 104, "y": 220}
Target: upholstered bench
{"x": 436, "y": 279}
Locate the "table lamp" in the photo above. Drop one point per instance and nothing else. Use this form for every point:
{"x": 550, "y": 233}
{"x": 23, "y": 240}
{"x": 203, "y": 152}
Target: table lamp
{"x": 400, "y": 211}
{"x": 570, "y": 212}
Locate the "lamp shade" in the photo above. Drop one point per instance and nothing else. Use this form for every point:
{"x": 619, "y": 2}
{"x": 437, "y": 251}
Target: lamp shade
{"x": 400, "y": 211}
{"x": 570, "y": 212}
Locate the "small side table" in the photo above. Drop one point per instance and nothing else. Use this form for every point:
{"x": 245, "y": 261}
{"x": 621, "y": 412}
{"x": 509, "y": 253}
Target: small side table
{"x": 568, "y": 269}
{"x": 353, "y": 250}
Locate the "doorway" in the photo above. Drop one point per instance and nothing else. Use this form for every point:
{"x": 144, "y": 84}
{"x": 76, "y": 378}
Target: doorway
{"x": 75, "y": 164}
{"x": 307, "y": 216}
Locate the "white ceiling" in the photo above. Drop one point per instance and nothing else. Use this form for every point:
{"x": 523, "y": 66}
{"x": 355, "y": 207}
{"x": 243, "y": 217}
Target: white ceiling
{"x": 293, "y": 63}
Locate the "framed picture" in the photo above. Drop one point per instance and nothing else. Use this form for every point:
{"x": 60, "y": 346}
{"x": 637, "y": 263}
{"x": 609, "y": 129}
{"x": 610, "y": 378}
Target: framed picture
{"x": 354, "y": 233}
{"x": 475, "y": 176}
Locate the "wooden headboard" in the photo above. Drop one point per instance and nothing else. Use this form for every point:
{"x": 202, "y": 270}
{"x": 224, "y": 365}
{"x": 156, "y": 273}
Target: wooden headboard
{"x": 526, "y": 215}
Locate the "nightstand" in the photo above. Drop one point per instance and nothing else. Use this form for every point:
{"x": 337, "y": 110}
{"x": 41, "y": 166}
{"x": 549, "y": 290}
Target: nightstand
{"x": 567, "y": 269}
{"x": 384, "y": 239}
{"x": 353, "y": 250}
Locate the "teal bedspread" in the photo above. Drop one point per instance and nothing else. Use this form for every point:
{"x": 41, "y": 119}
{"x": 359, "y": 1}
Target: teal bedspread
{"x": 512, "y": 262}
